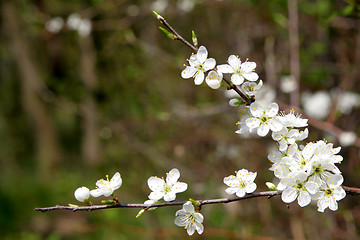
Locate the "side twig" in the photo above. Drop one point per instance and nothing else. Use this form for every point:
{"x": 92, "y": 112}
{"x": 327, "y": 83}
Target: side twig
{"x": 177, "y": 36}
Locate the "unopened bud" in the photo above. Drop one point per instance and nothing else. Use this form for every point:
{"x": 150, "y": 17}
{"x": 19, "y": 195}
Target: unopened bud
{"x": 271, "y": 186}
{"x": 194, "y": 39}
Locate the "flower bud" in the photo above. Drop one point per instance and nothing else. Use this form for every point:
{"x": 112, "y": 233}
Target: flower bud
{"x": 82, "y": 194}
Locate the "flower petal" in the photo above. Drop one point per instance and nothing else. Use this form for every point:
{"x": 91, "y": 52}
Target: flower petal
{"x": 252, "y": 76}
{"x": 304, "y": 198}
{"x": 248, "y": 67}
{"x": 289, "y": 195}
{"x": 199, "y": 77}
{"x": 209, "y": 64}
{"x": 155, "y": 196}
{"x": 236, "y": 79}
{"x": 272, "y": 109}
{"x": 179, "y": 187}
{"x": 234, "y": 62}
{"x": 256, "y": 110}
{"x": 202, "y": 54}
{"x": 188, "y": 207}
{"x": 156, "y": 184}
{"x": 225, "y": 68}
{"x": 96, "y": 192}
{"x": 188, "y": 72}
{"x": 172, "y": 176}
{"x": 262, "y": 130}
{"x": 252, "y": 123}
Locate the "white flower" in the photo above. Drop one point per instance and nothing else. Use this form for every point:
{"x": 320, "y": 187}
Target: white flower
{"x": 347, "y": 101}
{"x": 347, "y": 139}
{"x": 328, "y": 197}
{"x": 82, "y": 194}
{"x": 54, "y": 25}
{"x": 241, "y": 184}
{"x": 288, "y": 84}
{"x": 251, "y": 88}
{"x": 213, "y": 79}
{"x": 199, "y": 64}
{"x": 297, "y": 187}
{"x": 292, "y": 120}
{"x": 167, "y": 190}
{"x": 240, "y": 71}
{"x": 244, "y": 115}
{"x": 287, "y": 137}
{"x": 264, "y": 119}
{"x": 316, "y": 105}
{"x": 188, "y": 218}
{"x": 106, "y": 187}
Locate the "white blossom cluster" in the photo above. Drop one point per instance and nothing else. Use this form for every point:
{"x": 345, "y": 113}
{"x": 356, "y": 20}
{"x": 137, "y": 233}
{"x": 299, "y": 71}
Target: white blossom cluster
{"x": 187, "y": 217}
{"x": 305, "y": 172}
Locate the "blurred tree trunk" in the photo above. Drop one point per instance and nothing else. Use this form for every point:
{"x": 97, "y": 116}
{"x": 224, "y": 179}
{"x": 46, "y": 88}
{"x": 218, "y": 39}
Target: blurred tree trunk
{"x": 31, "y": 86}
{"x": 90, "y": 144}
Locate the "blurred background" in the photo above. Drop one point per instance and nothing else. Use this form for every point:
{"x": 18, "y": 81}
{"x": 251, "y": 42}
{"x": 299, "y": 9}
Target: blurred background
{"x": 91, "y": 87}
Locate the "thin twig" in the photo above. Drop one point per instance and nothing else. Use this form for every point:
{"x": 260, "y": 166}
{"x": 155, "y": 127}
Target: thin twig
{"x": 156, "y": 205}
{"x": 177, "y": 36}
{"x": 349, "y": 190}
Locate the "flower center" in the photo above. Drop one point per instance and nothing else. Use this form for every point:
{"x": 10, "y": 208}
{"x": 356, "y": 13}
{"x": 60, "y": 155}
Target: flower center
{"x": 299, "y": 185}
{"x": 239, "y": 72}
{"x": 318, "y": 170}
{"x": 329, "y": 191}
{"x": 167, "y": 188}
{"x": 264, "y": 119}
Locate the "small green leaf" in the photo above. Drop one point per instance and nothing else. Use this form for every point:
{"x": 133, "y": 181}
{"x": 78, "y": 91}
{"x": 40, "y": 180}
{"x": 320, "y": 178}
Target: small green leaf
{"x": 73, "y": 205}
{"x": 167, "y": 33}
{"x": 108, "y": 201}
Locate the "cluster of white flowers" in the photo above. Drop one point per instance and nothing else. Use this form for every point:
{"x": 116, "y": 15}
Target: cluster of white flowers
{"x": 200, "y": 64}
{"x": 305, "y": 172}
{"x": 103, "y": 187}
{"x": 74, "y": 22}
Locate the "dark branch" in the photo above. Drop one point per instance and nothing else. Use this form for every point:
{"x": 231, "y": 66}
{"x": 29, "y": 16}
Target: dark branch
{"x": 349, "y": 190}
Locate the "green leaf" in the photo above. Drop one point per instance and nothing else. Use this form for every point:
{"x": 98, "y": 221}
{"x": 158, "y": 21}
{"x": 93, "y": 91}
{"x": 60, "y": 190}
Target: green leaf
{"x": 167, "y": 33}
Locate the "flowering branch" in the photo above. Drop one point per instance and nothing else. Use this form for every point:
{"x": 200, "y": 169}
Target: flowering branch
{"x": 75, "y": 208}
{"x": 305, "y": 172}
{"x": 349, "y": 190}
{"x": 176, "y": 36}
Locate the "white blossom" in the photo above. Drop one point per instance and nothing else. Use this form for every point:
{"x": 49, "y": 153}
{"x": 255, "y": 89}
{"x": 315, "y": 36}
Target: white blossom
{"x": 251, "y": 88}
{"x": 264, "y": 119}
{"x": 54, "y": 25}
{"x": 107, "y": 187}
{"x": 199, "y": 64}
{"x": 188, "y": 218}
{"x": 240, "y": 71}
{"x": 213, "y": 79}
{"x": 286, "y": 137}
{"x": 347, "y": 139}
{"x": 328, "y": 196}
{"x": 297, "y": 187}
{"x": 240, "y": 184}
{"x": 166, "y": 189}
{"x": 316, "y": 105}
{"x": 292, "y": 120}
